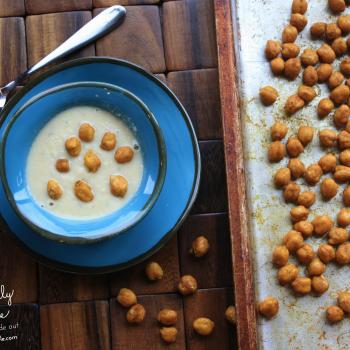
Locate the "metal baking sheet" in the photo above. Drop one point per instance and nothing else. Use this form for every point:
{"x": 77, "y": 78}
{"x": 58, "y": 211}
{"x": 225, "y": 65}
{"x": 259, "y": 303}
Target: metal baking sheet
{"x": 301, "y": 322}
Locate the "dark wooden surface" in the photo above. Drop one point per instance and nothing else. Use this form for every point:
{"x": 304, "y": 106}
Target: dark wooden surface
{"x": 176, "y": 40}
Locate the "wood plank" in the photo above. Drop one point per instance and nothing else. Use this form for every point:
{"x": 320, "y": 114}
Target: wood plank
{"x": 214, "y": 269}
{"x": 35, "y": 7}
{"x": 198, "y": 91}
{"x": 146, "y": 335}
{"x": 210, "y": 303}
{"x": 78, "y": 326}
{"x": 189, "y": 34}
{"x": 16, "y": 8}
{"x": 232, "y": 129}
{"x": 135, "y": 277}
{"x": 138, "y": 39}
{"x": 105, "y": 3}
{"x": 76, "y": 287}
{"x": 12, "y": 48}
{"x": 162, "y": 77}
{"x": 212, "y": 196}
{"x": 46, "y": 32}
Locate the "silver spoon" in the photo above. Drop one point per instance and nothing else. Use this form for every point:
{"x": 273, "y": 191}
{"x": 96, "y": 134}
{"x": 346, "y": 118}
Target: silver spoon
{"x": 97, "y": 27}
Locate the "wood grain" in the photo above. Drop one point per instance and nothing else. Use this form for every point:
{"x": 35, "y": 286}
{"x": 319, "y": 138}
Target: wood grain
{"x": 189, "y": 34}
{"x": 105, "y": 3}
{"x": 215, "y": 269}
{"x": 138, "y": 39}
{"x": 35, "y": 7}
{"x": 212, "y": 196}
{"x": 240, "y": 235}
{"x": 146, "y": 335}
{"x": 78, "y": 326}
{"x": 46, "y": 32}
{"x": 135, "y": 277}
{"x": 198, "y": 90}
{"x": 16, "y": 8}
{"x": 210, "y": 303}
{"x": 162, "y": 77}
{"x": 12, "y": 48}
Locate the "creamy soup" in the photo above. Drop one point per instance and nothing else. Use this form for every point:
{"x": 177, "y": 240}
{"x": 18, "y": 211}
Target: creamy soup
{"x": 49, "y": 146}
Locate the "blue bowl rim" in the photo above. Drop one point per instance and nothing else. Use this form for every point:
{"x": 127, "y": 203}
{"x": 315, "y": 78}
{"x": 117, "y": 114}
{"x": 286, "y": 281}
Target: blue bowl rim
{"x": 195, "y": 188}
{"x": 147, "y": 206}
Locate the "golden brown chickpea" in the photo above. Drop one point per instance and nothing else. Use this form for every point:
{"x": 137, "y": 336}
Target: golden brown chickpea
{"x": 293, "y": 240}
{"x": 86, "y": 132}
{"x": 310, "y": 76}
{"x": 126, "y": 297}
{"x": 329, "y": 188}
{"x": 339, "y": 46}
{"x": 276, "y": 151}
{"x": 124, "y": 154}
{"x": 296, "y": 167}
{"x": 279, "y": 131}
{"x": 342, "y": 173}
{"x": 73, "y": 146}
{"x": 325, "y": 106}
{"x": 299, "y": 6}
{"x": 337, "y": 235}
{"x": 318, "y": 30}
{"x": 136, "y": 314}
{"x": 200, "y": 247}
{"x": 168, "y": 334}
{"x": 337, "y": 6}
{"x": 344, "y": 24}
{"x": 282, "y": 177}
{"x": 294, "y": 147}
{"x": 316, "y": 267}
{"x": 108, "y": 142}
{"x": 154, "y": 271}
{"x": 324, "y": 71}
{"x": 118, "y": 185}
{"x": 299, "y": 213}
{"x": 332, "y": 31}
{"x": 313, "y": 174}
{"x": 92, "y": 161}
{"x": 322, "y": 224}
{"x": 268, "y": 307}
{"x": 306, "y": 228}
{"x": 305, "y": 134}
{"x": 293, "y": 104}
{"x": 319, "y": 284}
{"x": 328, "y": 137}
{"x": 326, "y": 253}
{"x": 54, "y": 189}
{"x": 83, "y": 191}
{"x": 187, "y": 285}
{"x": 203, "y": 326}
{"x": 343, "y": 140}
{"x": 309, "y": 57}
{"x": 289, "y": 34}
{"x": 291, "y": 192}
{"x": 307, "y": 199}
{"x": 346, "y": 196}
{"x": 305, "y": 254}
{"x": 344, "y": 301}
{"x": 62, "y": 165}
{"x": 230, "y": 314}
{"x": 277, "y": 66}
{"x": 167, "y": 317}
{"x": 345, "y": 67}
{"x": 287, "y": 274}
{"x": 342, "y": 254}
{"x": 344, "y": 157}
{"x": 340, "y": 94}
{"x": 290, "y": 50}
{"x": 280, "y": 256}
{"x": 341, "y": 116}
{"x": 307, "y": 93}
{"x": 298, "y": 21}
{"x": 292, "y": 68}
{"x": 335, "y": 80}
{"x": 273, "y": 49}
{"x": 328, "y": 163}
{"x": 302, "y": 285}
{"x": 326, "y": 54}
{"x": 334, "y": 314}
{"x": 343, "y": 217}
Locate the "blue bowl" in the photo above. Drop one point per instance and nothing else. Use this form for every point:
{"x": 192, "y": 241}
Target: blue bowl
{"x": 22, "y": 130}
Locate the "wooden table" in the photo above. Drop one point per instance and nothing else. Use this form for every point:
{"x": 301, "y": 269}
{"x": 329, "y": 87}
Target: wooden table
{"x": 56, "y": 310}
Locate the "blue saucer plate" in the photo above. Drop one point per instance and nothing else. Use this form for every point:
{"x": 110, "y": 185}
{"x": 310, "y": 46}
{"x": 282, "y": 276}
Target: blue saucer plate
{"x": 180, "y": 185}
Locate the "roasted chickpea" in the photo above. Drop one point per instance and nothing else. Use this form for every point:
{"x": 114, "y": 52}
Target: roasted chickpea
{"x": 329, "y": 188}
{"x": 268, "y": 307}
{"x": 279, "y": 131}
{"x": 92, "y": 161}
{"x": 325, "y": 106}
{"x": 306, "y": 228}
{"x": 344, "y": 24}
{"x": 118, "y": 185}
{"x": 126, "y": 297}
{"x": 335, "y": 80}
{"x": 296, "y": 167}
{"x": 276, "y": 151}
{"x": 294, "y": 147}
{"x": 291, "y": 192}
{"x": 109, "y": 140}
{"x": 309, "y": 57}
{"x": 136, "y": 314}
{"x": 340, "y": 94}
{"x": 322, "y": 224}
{"x": 339, "y": 46}
{"x": 318, "y": 30}
{"x": 344, "y": 157}
{"x": 86, "y": 132}
{"x": 305, "y": 254}
{"x": 344, "y": 301}
{"x": 290, "y": 50}
{"x": 54, "y": 189}
{"x": 319, "y": 284}
{"x": 328, "y": 163}
{"x": 310, "y": 76}
{"x": 326, "y": 253}
{"x": 187, "y": 285}
{"x": 344, "y": 140}
{"x": 292, "y": 68}
{"x": 342, "y": 173}
{"x": 277, "y": 66}
{"x": 83, "y": 191}
{"x": 203, "y": 326}
{"x": 154, "y": 271}
{"x": 313, "y": 174}
{"x": 302, "y": 285}
{"x": 168, "y": 334}
{"x": 293, "y": 240}
{"x": 73, "y": 146}
{"x": 298, "y": 21}
{"x": 307, "y": 199}
{"x": 343, "y": 217}
{"x": 124, "y": 154}
{"x": 342, "y": 254}
{"x": 293, "y": 104}
{"x": 62, "y": 165}
{"x": 299, "y": 213}
{"x": 273, "y": 49}
{"x": 287, "y": 274}
{"x": 341, "y": 116}
{"x": 289, "y": 34}
{"x": 334, "y": 314}
{"x": 346, "y": 196}
{"x": 326, "y": 54}
{"x": 282, "y": 177}
{"x": 324, "y": 71}
{"x": 337, "y": 235}
{"x": 332, "y": 31}
{"x": 167, "y": 317}
{"x": 337, "y": 6}
{"x": 280, "y": 256}
{"x": 299, "y": 6}
{"x": 200, "y": 247}
{"x": 316, "y": 267}
{"x": 345, "y": 67}
{"x": 230, "y": 314}
{"x": 305, "y": 134}
{"x": 307, "y": 93}
{"x": 328, "y": 137}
